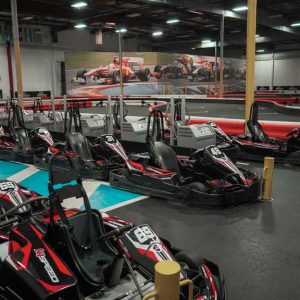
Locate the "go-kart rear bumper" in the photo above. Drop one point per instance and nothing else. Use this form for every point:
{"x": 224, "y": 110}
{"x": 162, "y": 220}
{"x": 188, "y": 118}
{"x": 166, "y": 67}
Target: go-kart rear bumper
{"x": 157, "y": 188}
{"x": 18, "y": 156}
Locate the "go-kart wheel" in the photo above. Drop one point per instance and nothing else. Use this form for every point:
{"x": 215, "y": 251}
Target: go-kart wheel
{"x": 189, "y": 260}
{"x": 197, "y": 187}
{"x": 80, "y": 74}
{"x": 144, "y": 74}
{"x": 116, "y": 77}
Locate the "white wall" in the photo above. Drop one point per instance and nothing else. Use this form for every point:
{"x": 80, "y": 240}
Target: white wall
{"x": 37, "y": 66}
{"x": 286, "y": 69}
{"x": 4, "y": 80}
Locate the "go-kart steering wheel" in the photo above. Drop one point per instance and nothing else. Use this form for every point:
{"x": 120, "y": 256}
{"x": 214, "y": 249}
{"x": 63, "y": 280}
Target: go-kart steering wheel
{"x": 294, "y": 133}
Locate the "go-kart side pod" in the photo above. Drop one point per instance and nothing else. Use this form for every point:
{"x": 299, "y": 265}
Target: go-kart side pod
{"x": 169, "y": 187}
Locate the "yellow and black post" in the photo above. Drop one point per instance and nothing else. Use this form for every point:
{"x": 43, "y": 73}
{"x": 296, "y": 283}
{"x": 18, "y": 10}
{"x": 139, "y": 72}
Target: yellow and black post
{"x": 251, "y": 49}
{"x": 268, "y": 179}
{"x": 167, "y": 282}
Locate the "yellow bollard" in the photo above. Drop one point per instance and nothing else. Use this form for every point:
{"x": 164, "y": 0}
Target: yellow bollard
{"x": 167, "y": 285}
{"x": 267, "y": 179}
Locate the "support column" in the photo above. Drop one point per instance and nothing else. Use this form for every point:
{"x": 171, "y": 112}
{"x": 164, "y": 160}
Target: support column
{"x": 222, "y": 57}
{"x": 121, "y": 63}
{"x": 251, "y": 48}
{"x": 216, "y": 65}
{"x": 10, "y": 72}
{"x": 273, "y": 71}
{"x": 17, "y": 50}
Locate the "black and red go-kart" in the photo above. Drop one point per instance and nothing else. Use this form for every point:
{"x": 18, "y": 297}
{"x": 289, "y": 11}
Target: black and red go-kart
{"x": 92, "y": 160}
{"x": 208, "y": 178}
{"x": 19, "y": 144}
{"x": 70, "y": 254}
{"x": 258, "y": 144}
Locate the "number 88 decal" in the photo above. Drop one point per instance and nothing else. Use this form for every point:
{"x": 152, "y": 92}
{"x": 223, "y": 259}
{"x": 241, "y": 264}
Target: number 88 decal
{"x": 143, "y": 234}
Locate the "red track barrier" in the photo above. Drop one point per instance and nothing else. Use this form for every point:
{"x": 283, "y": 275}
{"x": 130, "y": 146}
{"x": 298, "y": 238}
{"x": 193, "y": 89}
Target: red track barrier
{"x": 278, "y": 130}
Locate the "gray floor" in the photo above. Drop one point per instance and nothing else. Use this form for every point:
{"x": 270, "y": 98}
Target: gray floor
{"x": 212, "y": 110}
{"x": 256, "y": 246}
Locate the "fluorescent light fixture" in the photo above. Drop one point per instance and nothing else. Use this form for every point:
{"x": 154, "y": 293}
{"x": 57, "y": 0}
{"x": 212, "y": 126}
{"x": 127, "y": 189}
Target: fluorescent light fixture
{"x": 257, "y": 35}
{"x": 79, "y": 4}
{"x": 80, "y": 26}
{"x": 121, "y": 30}
{"x": 172, "y": 21}
{"x": 260, "y": 50}
{"x": 206, "y": 41}
{"x": 240, "y": 8}
{"x": 295, "y": 24}
{"x": 157, "y": 33}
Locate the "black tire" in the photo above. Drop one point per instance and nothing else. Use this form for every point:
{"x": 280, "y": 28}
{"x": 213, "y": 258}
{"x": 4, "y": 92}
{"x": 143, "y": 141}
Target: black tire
{"x": 190, "y": 258}
{"x": 80, "y": 74}
{"x": 144, "y": 74}
{"x": 157, "y": 68}
{"x": 197, "y": 187}
{"x": 116, "y": 77}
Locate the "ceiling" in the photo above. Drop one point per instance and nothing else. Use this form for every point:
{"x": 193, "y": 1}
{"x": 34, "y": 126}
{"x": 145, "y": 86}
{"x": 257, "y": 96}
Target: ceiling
{"x": 199, "y": 20}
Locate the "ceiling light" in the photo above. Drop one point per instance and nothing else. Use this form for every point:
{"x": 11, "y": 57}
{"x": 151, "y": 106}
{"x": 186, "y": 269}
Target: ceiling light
{"x": 134, "y": 15}
{"x": 209, "y": 25}
{"x": 195, "y": 12}
{"x": 295, "y": 24}
{"x": 79, "y": 4}
{"x": 260, "y": 50}
{"x": 27, "y": 18}
{"x": 172, "y": 21}
{"x": 80, "y": 26}
{"x": 240, "y": 8}
{"x": 157, "y": 33}
{"x": 206, "y": 41}
{"x": 121, "y": 30}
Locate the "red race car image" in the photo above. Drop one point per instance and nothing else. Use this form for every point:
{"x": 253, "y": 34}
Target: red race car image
{"x": 131, "y": 70}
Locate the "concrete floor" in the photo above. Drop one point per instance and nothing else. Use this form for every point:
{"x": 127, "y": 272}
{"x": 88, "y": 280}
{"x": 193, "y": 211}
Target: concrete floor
{"x": 219, "y": 110}
{"x": 256, "y": 246}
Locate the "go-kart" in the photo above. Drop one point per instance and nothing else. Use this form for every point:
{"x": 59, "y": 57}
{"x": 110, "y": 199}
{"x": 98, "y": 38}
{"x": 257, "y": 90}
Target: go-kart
{"x": 92, "y": 160}
{"x": 111, "y": 73}
{"x": 71, "y": 254}
{"x": 19, "y": 144}
{"x": 258, "y": 144}
{"x": 207, "y": 178}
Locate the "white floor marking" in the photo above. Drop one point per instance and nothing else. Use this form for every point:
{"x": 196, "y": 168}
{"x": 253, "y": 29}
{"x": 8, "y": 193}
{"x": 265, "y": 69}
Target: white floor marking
{"x": 123, "y": 203}
{"x": 20, "y": 176}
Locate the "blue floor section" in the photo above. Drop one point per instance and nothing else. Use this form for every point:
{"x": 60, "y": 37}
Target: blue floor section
{"x": 8, "y": 169}
{"x": 37, "y": 182}
{"x": 106, "y": 196}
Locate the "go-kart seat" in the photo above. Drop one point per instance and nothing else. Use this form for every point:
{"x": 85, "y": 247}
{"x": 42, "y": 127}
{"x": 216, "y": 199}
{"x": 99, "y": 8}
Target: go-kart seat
{"x": 21, "y": 137}
{"x": 164, "y": 156}
{"x": 257, "y": 133}
{"x": 81, "y": 146}
{"x": 76, "y": 238}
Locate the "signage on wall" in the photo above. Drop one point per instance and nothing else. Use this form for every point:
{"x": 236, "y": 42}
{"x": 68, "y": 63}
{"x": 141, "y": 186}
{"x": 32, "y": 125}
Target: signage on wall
{"x": 286, "y": 88}
{"x": 263, "y": 88}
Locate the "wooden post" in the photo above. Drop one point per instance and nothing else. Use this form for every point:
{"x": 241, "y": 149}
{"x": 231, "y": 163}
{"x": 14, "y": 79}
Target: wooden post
{"x": 17, "y": 50}
{"x": 251, "y": 48}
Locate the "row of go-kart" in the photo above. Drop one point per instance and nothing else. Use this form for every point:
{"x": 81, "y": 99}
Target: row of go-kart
{"x": 52, "y": 253}
{"x": 206, "y": 178}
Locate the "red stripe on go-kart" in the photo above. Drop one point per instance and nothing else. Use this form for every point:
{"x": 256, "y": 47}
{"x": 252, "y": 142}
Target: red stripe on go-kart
{"x": 60, "y": 265}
